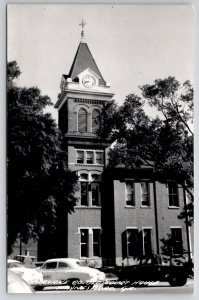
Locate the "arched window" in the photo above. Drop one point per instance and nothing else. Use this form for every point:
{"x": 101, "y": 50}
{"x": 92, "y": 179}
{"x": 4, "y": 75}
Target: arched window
{"x": 95, "y": 120}
{"x": 82, "y": 120}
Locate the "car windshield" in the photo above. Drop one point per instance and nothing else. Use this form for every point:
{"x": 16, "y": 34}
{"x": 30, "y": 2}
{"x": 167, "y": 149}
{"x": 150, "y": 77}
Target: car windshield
{"x": 81, "y": 263}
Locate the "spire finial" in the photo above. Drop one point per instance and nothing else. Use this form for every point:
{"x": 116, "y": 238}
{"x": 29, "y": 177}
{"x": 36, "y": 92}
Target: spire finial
{"x": 83, "y": 23}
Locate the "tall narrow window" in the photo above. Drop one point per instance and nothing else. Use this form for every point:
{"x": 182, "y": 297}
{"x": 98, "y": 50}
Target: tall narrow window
{"x": 89, "y": 157}
{"x": 130, "y": 194}
{"x": 132, "y": 242}
{"x": 99, "y": 158}
{"x": 145, "y": 194}
{"x": 95, "y": 120}
{"x": 84, "y": 193}
{"x": 82, "y": 120}
{"x": 84, "y": 243}
{"x": 80, "y": 157}
{"x": 176, "y": 238}
{"x": 96, "y": 242}
{"x": 173, "y": 194}
{"x": 147, "y": 246}
{"x": 95, "y": 192}
{"x": 84, "y": 199}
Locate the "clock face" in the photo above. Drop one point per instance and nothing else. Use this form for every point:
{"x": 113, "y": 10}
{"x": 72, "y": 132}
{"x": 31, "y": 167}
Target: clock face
{"x": 88, "y": 81}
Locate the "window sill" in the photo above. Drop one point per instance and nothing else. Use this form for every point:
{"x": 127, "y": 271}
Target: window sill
{"x": 173, "y": 207}
{"x": 88, "y": 207}
{"x": 130, "y": 206}
{"x": 145, "y": 206}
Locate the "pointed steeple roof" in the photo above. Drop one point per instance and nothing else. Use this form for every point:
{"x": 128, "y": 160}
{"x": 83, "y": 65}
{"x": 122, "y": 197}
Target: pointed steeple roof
{"x": 82, "y": 61}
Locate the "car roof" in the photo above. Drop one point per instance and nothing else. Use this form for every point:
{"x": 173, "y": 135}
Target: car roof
{"x": 31, "y": 256}
{"x": 62, "y": 259}
{"x": 13, "y": 260}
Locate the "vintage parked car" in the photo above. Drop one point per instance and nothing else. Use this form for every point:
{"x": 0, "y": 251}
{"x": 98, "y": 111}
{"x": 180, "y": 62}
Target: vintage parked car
{"x": 69, "y": 270}
{"x": 30, "y": 275}
{"x": 151, "y": 269}
{"x": 27, "y": 260}
{"x": 15, "y": 284}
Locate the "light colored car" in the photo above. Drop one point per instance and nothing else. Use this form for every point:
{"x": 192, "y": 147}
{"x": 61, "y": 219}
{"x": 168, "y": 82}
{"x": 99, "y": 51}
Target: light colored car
{"x": 27, "y": 260}
{"x": 70, "y": 269}
{"x": 30, "y": 275}
{"x": 15, "y": 284}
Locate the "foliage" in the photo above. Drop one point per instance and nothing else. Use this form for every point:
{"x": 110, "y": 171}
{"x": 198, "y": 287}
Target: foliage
{"x": 164, "y": 142}
{"x": 38, "y": 177}
{"x": 169, "y": 254}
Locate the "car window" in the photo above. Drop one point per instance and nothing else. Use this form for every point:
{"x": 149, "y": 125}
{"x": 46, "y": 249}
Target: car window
{"x": 15, "y": 265}
{"x": 50, "y": 265}
{"x": 62, "y": 265}
{"x": 81, "y": 263}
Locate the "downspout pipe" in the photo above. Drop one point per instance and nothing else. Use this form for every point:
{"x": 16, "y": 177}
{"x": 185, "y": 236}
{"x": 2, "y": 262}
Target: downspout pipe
{"x": 156, "y": 218}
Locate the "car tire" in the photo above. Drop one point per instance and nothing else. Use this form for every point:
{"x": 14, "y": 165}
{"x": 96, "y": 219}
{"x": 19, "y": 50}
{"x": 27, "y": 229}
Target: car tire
{"x": 126, "y": 281}
{"x": 38, "y": 288}
{"x": 71, "y": 281}
{"x": 175, "y": 280}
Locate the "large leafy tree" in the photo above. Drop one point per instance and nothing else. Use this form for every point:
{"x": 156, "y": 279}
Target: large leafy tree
{"x": 40, "y": 187}
{"x": 164, "y": 142}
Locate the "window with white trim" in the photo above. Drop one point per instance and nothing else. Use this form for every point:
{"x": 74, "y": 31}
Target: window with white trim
{"x": 97, "y": 242}
{"x": 89, "y": 157}
{"x": 147, "y": 245}
{"x": 130, "y": 193}
{"x": 132, "y": 241}
{"x": 176, "y": 238}
{"x": 173, "y": 194}
{"x": 90, "y": 194}
{"x": 145, "y": 193}
{"x": 84, "y": 194}
{"x": 99, "y": 158}
{"x": 90, "y": 242}
{"x": 84, "y": 243}
{"x": 80, "y": 157}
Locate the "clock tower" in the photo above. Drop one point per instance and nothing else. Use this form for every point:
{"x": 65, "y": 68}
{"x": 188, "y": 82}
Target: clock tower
{"x": 84, "y": 93}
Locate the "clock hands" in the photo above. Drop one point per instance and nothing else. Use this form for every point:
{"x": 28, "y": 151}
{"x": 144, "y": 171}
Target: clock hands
{"x": 88, "y": 81}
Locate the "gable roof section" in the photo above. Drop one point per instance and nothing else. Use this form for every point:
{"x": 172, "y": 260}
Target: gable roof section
{"x": 82, "y": 61}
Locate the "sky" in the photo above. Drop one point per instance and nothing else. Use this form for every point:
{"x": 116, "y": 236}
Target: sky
{"x": 132, "y": 44}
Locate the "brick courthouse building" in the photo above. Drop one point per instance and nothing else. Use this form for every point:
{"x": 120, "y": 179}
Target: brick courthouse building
{"x": 120, "y": 213}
